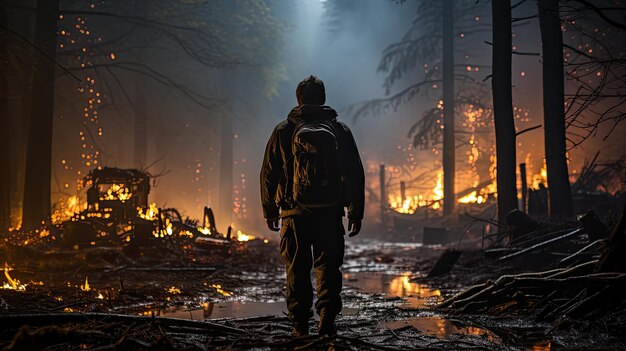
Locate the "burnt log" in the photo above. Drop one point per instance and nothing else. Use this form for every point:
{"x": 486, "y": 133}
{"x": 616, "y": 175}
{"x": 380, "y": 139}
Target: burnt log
{"x": 613, "y": 258}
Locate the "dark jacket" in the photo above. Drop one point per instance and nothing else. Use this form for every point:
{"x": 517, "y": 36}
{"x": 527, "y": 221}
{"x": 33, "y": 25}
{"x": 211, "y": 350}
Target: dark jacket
{"x": 278, "y": 164}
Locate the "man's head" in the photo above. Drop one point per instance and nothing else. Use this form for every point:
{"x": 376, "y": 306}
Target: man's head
{"x": 311, "y": 91}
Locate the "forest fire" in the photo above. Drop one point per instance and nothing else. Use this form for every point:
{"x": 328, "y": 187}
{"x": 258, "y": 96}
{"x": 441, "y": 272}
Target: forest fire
{"x": 11, "y": 283}
{"x": 489, "y": 213}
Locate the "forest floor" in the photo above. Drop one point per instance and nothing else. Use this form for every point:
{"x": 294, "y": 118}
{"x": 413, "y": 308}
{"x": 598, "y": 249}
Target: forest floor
{"x": 235, "y": 300}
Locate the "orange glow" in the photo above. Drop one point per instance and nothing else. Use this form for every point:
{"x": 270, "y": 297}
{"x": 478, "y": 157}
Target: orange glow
{"x": 412, "y": 202}
{"x": 85, "y": 287}
{"x": 150, "y": 214}
{"x": 12, "y": 284}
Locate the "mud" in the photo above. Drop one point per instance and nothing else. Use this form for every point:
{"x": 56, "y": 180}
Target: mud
{"x": 387, "y": 300}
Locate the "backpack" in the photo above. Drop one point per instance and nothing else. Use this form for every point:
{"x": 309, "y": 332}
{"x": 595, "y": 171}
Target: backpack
{"x": 318, "y": 175}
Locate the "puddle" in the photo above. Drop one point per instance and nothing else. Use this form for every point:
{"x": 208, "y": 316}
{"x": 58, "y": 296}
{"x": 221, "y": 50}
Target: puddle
{"x": 234, "y": 309}
{"x": 542, "y": 346}
{"x": 417, "y": 295}
{"x": 439, "y": 327}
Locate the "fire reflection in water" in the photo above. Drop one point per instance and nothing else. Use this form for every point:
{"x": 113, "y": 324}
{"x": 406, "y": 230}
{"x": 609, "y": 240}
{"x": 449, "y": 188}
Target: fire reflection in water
{"x": 439, "y": 327}
{"x": 417, "y": 295}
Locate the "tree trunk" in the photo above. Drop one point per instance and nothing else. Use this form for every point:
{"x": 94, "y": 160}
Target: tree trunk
{"x": 503, "y": 108}
{"x": 559, "y": 192}
{"x": 449, "y": 199}
{"x": 39, "y": 145}
{"x": 225, "y": 205}
{"x": 5, "y": 128}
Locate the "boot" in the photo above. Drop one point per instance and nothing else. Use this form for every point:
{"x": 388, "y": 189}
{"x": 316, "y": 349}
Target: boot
{"x": 300, "y": 328}
{"x": 327, "y": 325}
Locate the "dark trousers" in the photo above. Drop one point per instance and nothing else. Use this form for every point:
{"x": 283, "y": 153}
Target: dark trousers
{"x": 313, "y": 241}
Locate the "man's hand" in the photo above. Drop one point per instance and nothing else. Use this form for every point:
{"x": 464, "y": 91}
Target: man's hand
{"x": 354, "y": 226}
{"x": 272, "y": 224}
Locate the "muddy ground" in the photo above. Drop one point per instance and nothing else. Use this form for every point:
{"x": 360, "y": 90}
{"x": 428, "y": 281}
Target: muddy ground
{"x": 203, "y": 300}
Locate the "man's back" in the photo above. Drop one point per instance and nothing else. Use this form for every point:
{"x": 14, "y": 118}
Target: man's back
{"x": 278, "y": 168}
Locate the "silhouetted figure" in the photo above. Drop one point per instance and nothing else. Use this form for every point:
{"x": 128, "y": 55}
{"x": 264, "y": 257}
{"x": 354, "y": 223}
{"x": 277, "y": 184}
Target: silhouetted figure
{"x": 311, "y": 171}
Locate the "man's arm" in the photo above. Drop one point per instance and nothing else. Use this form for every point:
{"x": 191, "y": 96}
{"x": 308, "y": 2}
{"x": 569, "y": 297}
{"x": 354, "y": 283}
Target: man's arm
{"x": 356, "y": 176}
{"x": 270, "y": 175}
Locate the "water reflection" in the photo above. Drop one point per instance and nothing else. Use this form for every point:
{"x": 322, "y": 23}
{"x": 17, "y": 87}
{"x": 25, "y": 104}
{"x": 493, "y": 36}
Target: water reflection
{"x": 417, "y": 295}
{"x": 439, "y": 327}
{"x": 542, "y": 346}
{"x": 233, "y": 309}
{"x": 212, "y": 310}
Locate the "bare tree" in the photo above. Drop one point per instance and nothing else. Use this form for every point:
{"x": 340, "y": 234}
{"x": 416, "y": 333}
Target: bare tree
{"x": 37, "y": 176}
{"x": 430, "y": 42}
{"x": 182, "y": 29}
{"x": 595, "y": 46}
{"x": 5, "y": 129}
{"x": 503, "y": 108}
{"x": 560, "y": 195}
{"x": 449, "y": 155}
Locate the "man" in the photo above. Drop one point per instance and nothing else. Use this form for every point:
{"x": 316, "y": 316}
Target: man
{"x": 310, "y": 173}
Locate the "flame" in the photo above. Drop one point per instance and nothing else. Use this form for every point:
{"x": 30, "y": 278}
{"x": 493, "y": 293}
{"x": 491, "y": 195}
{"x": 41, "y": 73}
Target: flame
{"x": 65, "y": 210}
{"x": 472, "y": 198}
{"x": 438, "y": 191}
{"x": 241, "y": 236}
{"x": 205, "y": 230}
{"x": 12, "y": 284}
{"x": 151, "y": 213}
{"x": 117, "y": 192}
{"x": 173, "y": 290}
{"x": 100, "y": 296}
{"x": 541, "y": 177}
{"x": 221, "y": 291}
{"x": 412, "y": 202}
{"x": 161, "y": 233}
{"x": 85, "y": 287}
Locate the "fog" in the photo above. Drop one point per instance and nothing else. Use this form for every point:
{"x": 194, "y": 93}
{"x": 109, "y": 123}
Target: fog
{"x": 342, "y": 46}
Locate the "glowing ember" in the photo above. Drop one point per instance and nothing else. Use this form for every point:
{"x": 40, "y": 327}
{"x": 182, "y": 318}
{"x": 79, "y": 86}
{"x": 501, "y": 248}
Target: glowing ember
{"x": 472, "y": 198}
{"x": 85, "y": 287}
{"x": 221, "y": 291}
{"x": 12, "y": 284}
{"x": 204, "y": 230}
{"x": 117, "y": 192}
{"x": 64, "y": 210}
{"x": 173, "y": 290}
{"x": 100, "y": 296}
{"x": 150, "y": 214}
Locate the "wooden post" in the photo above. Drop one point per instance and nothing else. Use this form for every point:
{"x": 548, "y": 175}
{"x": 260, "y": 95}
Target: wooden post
{"x": 403, "y": 191}
{"x": 383, "y": 194}
{"x": 522, "y": 173}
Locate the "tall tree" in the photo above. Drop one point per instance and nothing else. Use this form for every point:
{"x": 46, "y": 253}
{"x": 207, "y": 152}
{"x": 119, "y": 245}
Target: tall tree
{"x": 503, "y": 107}
{"x": 5, "y": 127}
{"x": 560, "y": 194}
{"x": 449, "y": 158}
{"x": 36, "y": 206}
{"x": 430, "y": 45}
